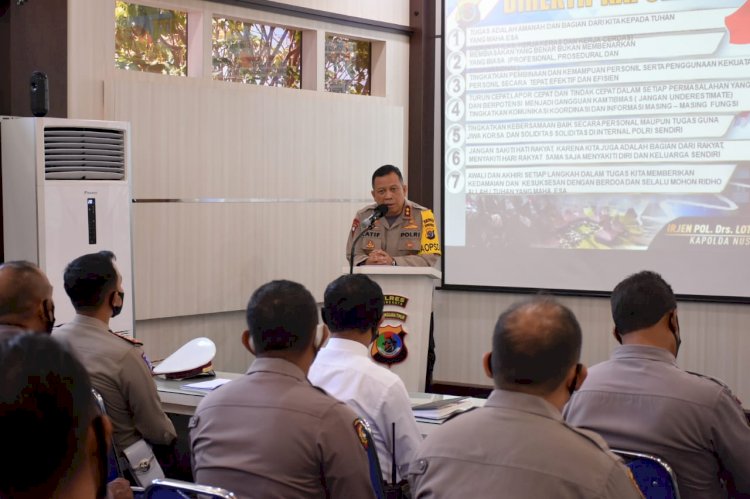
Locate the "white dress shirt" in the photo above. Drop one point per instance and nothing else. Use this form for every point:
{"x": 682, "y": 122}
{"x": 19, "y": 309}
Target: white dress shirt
{"x": 344, "y": 369}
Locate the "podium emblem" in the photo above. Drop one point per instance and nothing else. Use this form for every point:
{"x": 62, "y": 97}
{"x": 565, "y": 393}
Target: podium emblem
{"x": 389, "y": 347}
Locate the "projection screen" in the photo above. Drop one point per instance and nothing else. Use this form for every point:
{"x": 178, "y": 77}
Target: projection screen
{"x": 584, "y": 140}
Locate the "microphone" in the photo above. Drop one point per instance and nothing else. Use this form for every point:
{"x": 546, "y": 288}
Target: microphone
{"x": 380, "y": 211}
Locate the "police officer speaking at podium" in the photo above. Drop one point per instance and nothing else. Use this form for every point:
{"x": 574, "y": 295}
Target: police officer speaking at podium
{"x": 406, "y": 234}
{"x": 395, "y": 231}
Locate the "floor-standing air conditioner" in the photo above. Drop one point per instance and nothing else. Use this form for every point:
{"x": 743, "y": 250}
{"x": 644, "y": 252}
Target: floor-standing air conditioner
{"x": 66, "y": 192}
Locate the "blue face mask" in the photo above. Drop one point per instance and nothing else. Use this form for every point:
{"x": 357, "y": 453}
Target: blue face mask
{"x": 116, "y": 309}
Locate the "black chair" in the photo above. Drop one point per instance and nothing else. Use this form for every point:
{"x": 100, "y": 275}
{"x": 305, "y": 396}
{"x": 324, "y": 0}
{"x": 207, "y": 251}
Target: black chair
{"x": 654, "y": 476}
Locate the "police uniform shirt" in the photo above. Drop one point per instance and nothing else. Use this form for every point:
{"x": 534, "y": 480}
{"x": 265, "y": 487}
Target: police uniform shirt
{"x": 346, "y": 371}
{"x": 272, "y": 434}
{"x": 411, "y": 239}
{"x": 119, "y": 371}
{"x": 517, "y": 446}
{"x": 640, "y": 400}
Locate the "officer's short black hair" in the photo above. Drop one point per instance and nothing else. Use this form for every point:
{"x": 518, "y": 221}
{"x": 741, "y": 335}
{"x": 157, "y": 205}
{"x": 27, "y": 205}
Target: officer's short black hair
{"x": 640, "y": 301}
{"x": 534, "y": 345}
{"x": 281, "y": 315}
{"x": 387, "y": 170}
{"x": 46, "y": 408}
{"x": 89, "y": 279}
{"x": 352, "y": 302}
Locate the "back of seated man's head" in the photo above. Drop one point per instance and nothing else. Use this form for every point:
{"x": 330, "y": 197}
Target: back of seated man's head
{"x": 281, "y": 318}
{"x": 47, "y": 418}
{"x": 353, "y": 302}
{"x": 90, "y": 280}
{"x": 535, "y": 344}
{"x": 640, "y": 301}
{"x": 26, "y": 297}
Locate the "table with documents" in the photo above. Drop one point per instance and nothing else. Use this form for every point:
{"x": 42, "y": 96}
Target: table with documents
{"x": 179, "y": 398}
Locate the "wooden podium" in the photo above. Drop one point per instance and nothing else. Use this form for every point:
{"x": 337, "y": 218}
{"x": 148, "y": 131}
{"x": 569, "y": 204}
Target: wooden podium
{"x": 405, "y": 331}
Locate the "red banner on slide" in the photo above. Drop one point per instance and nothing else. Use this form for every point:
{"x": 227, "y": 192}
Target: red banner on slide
{"x": 738, "y": 25}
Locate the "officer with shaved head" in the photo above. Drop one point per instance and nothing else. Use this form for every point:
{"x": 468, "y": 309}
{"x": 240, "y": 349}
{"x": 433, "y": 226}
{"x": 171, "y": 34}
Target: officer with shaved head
{"x": 25, "y": 298}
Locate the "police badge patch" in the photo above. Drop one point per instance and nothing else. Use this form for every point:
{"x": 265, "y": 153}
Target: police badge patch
{"x": 389, "y": 347}
{"x": 359, "y": 426}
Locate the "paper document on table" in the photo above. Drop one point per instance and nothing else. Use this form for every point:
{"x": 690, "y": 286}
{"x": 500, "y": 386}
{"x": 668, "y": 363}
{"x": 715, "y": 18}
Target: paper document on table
{"x": 207, "y": 385}
{"x": 441, "y": 409}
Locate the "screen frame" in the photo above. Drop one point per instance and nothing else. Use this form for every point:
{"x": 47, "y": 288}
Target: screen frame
{"x": 582, "y": 293}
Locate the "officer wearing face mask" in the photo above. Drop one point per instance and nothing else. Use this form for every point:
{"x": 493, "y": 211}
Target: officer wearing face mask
{"x": 117, "y": 365}
{"x": 25, "y": 298}
{"x": 640, "y": 400}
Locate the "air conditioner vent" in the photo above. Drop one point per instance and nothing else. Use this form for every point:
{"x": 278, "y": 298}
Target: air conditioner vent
{"x": 73, "y": 153}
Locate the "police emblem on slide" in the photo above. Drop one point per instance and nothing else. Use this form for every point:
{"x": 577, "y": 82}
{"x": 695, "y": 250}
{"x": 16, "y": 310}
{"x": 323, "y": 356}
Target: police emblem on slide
{"x": 389, "y": 347}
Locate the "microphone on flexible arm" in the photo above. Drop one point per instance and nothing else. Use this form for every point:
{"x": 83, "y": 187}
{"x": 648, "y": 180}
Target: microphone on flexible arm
{"x": 380, "y": 211}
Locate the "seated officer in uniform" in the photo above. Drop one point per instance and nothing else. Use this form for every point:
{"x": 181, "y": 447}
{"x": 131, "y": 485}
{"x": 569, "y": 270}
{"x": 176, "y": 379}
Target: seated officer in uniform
{"x": 271, "y": 433}
{"x": 116, "y": 364}
{"x": 352, "y": 311}
{"x": 54, "y": 442}
{"x": 640, "y": 400}
{"x": 518, "y": 445}
{"x": 407, "y": 235}
{"x": 25, "y": 298}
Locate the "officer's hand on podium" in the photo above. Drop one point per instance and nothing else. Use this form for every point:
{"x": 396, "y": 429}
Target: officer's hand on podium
{"x": 379, "y": 257}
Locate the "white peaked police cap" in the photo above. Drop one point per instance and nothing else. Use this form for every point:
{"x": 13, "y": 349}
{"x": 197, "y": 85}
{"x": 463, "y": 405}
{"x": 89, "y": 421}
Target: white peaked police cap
{"x": 193, "y": 356}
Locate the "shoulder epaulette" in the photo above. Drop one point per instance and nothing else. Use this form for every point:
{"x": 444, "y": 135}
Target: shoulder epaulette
{"x": 127, "y": 337}
{"x": 710, "y": 378}
{"x": 720, "y": 383}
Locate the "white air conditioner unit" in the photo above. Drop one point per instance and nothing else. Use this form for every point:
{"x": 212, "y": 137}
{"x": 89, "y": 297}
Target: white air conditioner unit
{"x": 66, "y": 192}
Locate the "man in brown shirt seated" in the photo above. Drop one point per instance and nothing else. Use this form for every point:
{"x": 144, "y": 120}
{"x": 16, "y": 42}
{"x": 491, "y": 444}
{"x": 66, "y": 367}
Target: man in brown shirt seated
{"x": 640, "y": 399}
{"x": 271, "y": 433}
{"x": 518, "y": 445}
{"x": 117, "y": 365}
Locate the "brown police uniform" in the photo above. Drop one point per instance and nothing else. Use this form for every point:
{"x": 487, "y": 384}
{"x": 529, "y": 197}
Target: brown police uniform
{"x": 640, "y": 400}
{"x": 119, "y": 371}
{"x": 517, "y": 445}
{"x": 272, "y": 434}
{"x": 411, "y": 239}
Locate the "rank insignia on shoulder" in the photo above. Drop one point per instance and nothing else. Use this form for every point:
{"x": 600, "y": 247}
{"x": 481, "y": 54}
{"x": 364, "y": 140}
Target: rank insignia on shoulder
{"x": 125, "y": 335}
{"x": 407, "y": 211}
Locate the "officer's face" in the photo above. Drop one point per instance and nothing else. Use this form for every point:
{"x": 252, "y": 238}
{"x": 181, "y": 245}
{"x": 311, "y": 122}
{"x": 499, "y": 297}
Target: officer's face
{"x": 389, "y": 190}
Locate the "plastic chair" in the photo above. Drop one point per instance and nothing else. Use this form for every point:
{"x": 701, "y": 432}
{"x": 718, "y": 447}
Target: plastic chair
{"x": 654, "y": 476}
{"x": 166, "y": 488}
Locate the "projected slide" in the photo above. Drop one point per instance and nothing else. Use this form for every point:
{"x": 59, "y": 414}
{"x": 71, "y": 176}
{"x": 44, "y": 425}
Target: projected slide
{"x": 588, "y": 139}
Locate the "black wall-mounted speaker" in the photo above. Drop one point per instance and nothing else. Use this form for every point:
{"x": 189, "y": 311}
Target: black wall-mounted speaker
{"x": 39, "y": 89}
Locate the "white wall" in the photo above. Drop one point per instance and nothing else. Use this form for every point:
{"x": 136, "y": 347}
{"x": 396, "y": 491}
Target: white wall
{"x": 262, "y": 182}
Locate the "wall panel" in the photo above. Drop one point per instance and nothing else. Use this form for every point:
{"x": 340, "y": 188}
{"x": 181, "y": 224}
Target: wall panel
{"x": 715, "y": 340}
